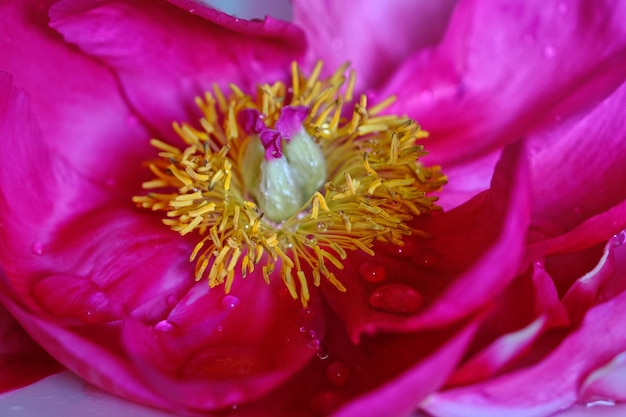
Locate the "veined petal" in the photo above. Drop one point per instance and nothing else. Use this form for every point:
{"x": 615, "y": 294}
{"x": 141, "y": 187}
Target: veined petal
{"x": 165, "y": 55}
{"x": 22, "y": 361}
{"x": 81, "y": 113}
{"x": 599, "y": 339}
{"x": 501, "y": 67}
{"x": 445, "y": 270}
{"x": 374, "y": 36}
{"x": 578, "y": 170}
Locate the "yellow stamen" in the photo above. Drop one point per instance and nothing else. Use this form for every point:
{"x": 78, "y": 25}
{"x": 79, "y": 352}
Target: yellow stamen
{"x": 374, "y": 184}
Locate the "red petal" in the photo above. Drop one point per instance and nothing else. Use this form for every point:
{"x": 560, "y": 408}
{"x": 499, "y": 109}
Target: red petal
{"x": 22, "y": 361}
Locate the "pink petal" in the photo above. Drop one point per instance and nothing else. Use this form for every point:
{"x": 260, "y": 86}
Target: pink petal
{"x": 79, "y": 354}
{"x": 497, "y": 355}
{"x": 458, "y": 270}
{"x": 22, "y": 361}
{"x": 500, "y": 68}
{"x": 585, "y": 291}
{"x": 578, "y": 170}
{"x": 165, "y": 56}
{"x": 215, "y": 351}
{"x": 553, "y": 383}
{"x": 400, "y": 396}
{"x": 374, "y": 36}
{"x": 607, "y": 382}
{"x": 76, "y": 100}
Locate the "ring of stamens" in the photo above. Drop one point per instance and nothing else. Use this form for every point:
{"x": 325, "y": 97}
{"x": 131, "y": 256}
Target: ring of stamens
{"x": 375, "y": 184}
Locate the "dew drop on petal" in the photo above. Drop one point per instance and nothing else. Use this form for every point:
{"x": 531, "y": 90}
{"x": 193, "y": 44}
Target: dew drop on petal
{"x": 396, "y": 298}
{"x": 165, "y": 326}
{"x": 372, "y": 272}
{"x": 426, "y": 258}
{"x": 427, "y": 96}
{"x": 313, "y": 344}
{"x": 230, "y": 302}
{"x": 37, "y": 248}
{"x": 310, "y": 239}
{"x": 407, "y": 249}
{"x": 172, "y": 300}
{"x": 549, "y": 51}
{"x": 132, "y": 120}
{"x": 219, "y": 329}
{"x": 322, "y": 226}
{"x": 602, "y": 403}
{"x": 338, "y": 373}
{"x": 619, "y": 239}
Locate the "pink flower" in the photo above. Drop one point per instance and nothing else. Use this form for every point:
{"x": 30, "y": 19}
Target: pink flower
{"x": 514, "y": 303}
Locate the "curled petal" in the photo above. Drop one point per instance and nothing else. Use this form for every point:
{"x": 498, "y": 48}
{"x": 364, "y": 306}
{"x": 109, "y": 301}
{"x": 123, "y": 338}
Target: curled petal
{"x": 22, "y": 361}
{"x": 375, "y": 37}
{"x": 459, "y": 269}
{"x": 599, "y": 338}
{"x": 166, "y": 55}
{"x": 477, "y": 91}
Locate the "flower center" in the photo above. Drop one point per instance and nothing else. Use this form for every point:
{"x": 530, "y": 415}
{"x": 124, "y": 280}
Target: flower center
{"x": 287, "y": 181}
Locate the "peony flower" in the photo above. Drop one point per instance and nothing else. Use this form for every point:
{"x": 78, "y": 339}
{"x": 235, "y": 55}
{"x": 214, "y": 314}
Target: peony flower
{"x": 509, "y": 301}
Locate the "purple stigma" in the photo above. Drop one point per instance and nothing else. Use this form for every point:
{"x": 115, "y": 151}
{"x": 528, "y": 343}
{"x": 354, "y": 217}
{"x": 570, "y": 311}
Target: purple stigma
{"x": 289, "y": 123}
{"x": 290, "y": 120}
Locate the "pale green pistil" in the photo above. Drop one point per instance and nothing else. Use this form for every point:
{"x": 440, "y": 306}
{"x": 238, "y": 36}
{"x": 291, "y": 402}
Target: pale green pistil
{"x": 282, "y": 186}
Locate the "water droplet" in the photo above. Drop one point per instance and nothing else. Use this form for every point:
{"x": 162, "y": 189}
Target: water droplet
{"x": 396, "y": 298}
{"x": 426, "y": 258}
{"x": 405, "y": 251}
{"x": 604, "y": 403}
{"x": 110, "y": 182}
{"x": 37, "y": 248}
{"x": 313, "y": 344}
{"x": 230, "y": 302}
{"x": 427, "y": 96}
{"x": 132, "y": 120}
{"x": 549, "y": 51}
{"x": 165, "y": 326}
{"x": 322, "y": 227}
{"x": 219, "y": 329}
{"x": 172, "y": 300}
{"x": 310, "y": 239}
{"x": 338, "y": 373}
{"x": 372, "y": 272}
{"x": 619, "y": 238}
{"x": 192, "y": 11}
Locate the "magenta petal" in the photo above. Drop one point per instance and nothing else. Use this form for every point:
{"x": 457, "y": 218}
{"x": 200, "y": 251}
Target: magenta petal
{"x": 216, "y": 350}
{"x": 79, "y": 354}
{"x": 607, "y": 382}
{"x": 165, "y": 56}
{"x": 400, "y": 396}
{"x": 501, "y": 67}
{"x": 497, "y": 355}
{"x": 22, "y": 361}
{"x": 75, "y": 99}
{"x": 374, "y": 36}
{"x": 459, "y": 281}
{"x": 594, "y": 147}
{"x": 599, "y": 339}
{"x": 585, "y": 291}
